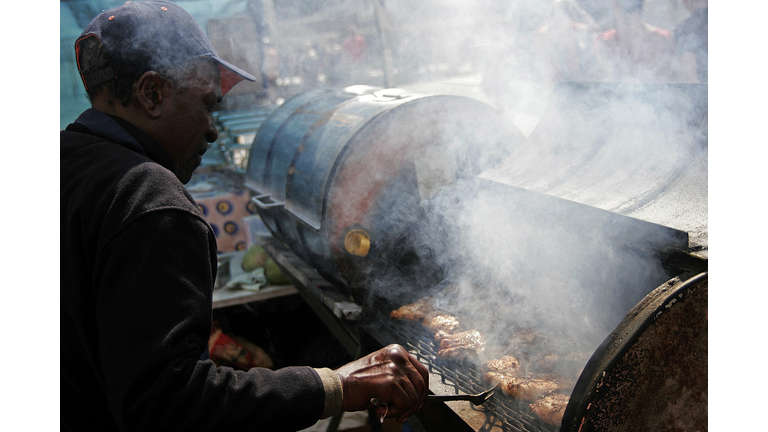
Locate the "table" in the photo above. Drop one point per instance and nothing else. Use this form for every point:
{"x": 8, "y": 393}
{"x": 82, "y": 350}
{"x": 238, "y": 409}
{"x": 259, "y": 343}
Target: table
{"x": 223, "y": 297}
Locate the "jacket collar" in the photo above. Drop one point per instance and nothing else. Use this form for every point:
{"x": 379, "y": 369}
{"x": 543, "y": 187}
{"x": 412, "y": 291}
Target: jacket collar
{"x": 123, "y": 133}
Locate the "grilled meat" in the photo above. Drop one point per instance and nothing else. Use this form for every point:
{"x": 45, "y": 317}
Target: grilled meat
{"x": 459, "y": 346}
{"x": 564, "y": 384}
{"x": 507, "y": 365}
{"x": 440, "y": 335}
{"x": 571, "y": 362}
{"x": 524, "y": 338}
{"x": 510, "y": 366}
{"x": 547, "y": 362}
{"x": 436, "y": 320}
{"x": 414, "y": 311}
{"x": 567, "y": 367}
{"x": 522, "y": 388}
{"x": 550, "y": 409}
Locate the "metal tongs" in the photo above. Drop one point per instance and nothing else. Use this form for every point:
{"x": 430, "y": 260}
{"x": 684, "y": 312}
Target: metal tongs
{"x": 477, "y": 399}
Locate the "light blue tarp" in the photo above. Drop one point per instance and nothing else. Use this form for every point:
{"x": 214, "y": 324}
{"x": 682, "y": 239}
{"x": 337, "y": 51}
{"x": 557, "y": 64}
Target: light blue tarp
{"x": 74, "y": 15}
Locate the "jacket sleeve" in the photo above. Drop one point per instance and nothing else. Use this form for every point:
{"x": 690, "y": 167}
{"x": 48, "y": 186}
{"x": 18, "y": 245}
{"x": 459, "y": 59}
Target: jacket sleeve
{"x": 154, "y": 279}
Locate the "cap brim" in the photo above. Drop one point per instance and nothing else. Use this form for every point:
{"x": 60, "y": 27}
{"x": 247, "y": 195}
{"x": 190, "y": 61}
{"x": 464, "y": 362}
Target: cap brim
{"x": 231, "y": 75}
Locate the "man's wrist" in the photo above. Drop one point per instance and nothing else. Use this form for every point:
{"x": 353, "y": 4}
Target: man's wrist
{"x": 333, "y": 392}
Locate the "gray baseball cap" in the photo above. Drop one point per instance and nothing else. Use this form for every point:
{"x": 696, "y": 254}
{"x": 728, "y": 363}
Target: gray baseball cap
{"x": 151, "y": 35}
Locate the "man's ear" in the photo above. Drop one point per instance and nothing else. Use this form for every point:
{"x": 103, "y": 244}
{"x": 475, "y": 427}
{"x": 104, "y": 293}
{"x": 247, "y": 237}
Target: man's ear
{"x": 150, "y": 93}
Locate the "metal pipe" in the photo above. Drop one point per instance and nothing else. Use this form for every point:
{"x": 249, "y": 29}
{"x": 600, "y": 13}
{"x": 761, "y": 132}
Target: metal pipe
{"x": 382, "y": 27}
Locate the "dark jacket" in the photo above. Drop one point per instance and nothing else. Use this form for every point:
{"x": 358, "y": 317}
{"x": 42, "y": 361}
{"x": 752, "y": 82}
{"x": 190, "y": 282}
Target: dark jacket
{"x": 138, "y": 262}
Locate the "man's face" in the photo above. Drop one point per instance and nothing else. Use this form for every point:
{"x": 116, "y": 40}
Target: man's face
{"x": 187, "y": 125}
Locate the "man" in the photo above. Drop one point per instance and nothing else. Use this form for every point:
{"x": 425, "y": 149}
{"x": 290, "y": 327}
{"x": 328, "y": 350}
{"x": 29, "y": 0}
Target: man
{"x": 138, "y": 259}
{"x": 635, "y": 50}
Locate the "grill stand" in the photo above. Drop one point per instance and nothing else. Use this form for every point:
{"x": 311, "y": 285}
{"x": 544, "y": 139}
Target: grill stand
{"x": 337, "y": 311}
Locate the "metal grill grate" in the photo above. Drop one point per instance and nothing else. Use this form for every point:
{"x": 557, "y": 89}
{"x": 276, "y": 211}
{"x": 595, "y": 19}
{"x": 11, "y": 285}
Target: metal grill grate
{"x": 502, "y": 412}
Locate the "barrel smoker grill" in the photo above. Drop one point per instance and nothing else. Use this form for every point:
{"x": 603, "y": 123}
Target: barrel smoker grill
{"x": 356, "y": 183}
{"x": 331, "y": 167}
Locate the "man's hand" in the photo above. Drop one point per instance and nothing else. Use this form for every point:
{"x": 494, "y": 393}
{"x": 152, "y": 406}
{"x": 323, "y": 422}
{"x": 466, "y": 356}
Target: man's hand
{"x": 390, "y": 374}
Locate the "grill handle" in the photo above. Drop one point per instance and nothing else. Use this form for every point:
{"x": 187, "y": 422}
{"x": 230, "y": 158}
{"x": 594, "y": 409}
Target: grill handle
{"x": 257, "y": 200}
{"x": 477, "y": 399}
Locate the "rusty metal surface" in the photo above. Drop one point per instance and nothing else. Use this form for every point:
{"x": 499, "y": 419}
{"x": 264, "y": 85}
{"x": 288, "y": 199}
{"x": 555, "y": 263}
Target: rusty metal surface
{"x": 651, "y": 373}
{"x": 684, "y": 205}
{"x": 262, "y": 144}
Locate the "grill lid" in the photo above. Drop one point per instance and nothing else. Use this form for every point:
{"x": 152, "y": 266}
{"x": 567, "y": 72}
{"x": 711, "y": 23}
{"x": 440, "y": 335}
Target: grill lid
{"x": 651, "y": 372}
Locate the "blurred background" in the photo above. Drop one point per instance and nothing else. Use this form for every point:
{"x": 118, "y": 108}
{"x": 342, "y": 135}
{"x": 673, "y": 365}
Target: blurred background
{"x": 491, "y": 46}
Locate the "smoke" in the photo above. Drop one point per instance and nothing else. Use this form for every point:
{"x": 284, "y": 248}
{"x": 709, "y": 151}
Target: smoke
{"x": 535, "y": 236}
{"x": 540, "y": 240}
{"x": 528, "y": 244}
{"x": 515, "y": 261}
{"x": 534, "y": 41}
{"x": 504, "y": 257}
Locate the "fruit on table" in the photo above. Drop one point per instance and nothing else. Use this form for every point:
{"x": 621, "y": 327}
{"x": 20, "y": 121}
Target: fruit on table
{"x": 254, "y": 258}
{"x": 274, "y": 274}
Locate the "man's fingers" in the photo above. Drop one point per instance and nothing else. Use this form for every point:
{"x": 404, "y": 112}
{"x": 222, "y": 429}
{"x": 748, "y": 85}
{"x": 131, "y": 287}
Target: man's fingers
{"x": 410, "y": 403}
{"x": 407, "y": 397}
{"x": 416, "y": 372}
{"x": 419, "y": 376}
{"x": 415, "y": 383}
{"x": 405, "y": 400}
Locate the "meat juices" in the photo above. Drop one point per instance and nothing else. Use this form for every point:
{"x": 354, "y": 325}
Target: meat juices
{"x": 460, "y": 345}
{"x": 415, "y": 311}
{"x": 550, "y": 409}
